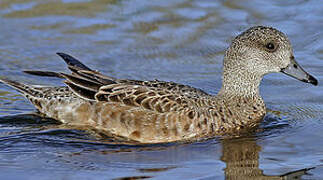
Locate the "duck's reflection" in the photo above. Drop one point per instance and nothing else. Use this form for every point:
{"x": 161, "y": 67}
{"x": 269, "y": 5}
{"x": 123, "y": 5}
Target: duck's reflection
{"x": 242, "y": 161}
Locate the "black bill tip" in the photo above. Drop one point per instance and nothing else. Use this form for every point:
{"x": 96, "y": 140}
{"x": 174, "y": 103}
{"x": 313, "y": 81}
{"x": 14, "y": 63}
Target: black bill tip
{"x": 312, "y": 80}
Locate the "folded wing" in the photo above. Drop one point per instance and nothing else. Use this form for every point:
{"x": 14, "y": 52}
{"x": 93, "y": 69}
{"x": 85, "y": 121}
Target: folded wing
{"x": 153, "y": 95}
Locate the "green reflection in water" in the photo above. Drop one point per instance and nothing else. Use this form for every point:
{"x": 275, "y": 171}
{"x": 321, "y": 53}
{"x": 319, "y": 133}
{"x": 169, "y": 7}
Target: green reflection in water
{"x": 50, "y": 26}
{"x": 7, "y": 3}
{"x": 87, "y": 9}
{"x": 89, "y": 29}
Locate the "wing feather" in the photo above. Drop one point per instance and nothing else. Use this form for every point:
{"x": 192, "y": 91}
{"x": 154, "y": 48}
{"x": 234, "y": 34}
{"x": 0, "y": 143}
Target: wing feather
{"x": 154, "y": 95}
{"x": 149, "y": 98}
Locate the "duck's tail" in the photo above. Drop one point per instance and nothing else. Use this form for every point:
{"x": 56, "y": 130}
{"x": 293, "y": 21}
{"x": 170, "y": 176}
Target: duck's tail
{"x": 34, "y": 91}
{"x": 25, "y": 89}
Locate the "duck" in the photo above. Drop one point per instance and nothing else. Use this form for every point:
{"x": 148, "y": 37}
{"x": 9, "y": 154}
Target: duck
{"x": 160, "y": 112}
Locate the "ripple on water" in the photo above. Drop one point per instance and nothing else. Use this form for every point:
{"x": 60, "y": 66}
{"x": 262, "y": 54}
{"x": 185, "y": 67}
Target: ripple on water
{"x": 181, "y": 41}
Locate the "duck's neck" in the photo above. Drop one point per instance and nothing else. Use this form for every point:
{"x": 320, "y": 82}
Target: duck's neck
{"x": 239, "y": 83}
{"x": 241, "y": 93}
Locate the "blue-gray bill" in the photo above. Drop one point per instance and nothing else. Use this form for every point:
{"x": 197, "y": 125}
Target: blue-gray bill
{"x": 296, "y": 71}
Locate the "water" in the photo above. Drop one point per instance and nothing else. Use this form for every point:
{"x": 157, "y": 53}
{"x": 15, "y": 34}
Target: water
{"x": 175, "y": 40}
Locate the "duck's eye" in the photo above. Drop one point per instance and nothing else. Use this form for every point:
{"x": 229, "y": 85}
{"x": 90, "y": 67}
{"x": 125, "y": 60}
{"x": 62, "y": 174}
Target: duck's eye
{"x": 270, "y": 47}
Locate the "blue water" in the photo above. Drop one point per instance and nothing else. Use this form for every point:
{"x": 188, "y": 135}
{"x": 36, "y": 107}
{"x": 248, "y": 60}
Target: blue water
{"x": 175, "y": 40}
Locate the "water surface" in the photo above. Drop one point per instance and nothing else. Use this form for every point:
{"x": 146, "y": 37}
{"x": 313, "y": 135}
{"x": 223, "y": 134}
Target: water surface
{"x": 176, "y": 40}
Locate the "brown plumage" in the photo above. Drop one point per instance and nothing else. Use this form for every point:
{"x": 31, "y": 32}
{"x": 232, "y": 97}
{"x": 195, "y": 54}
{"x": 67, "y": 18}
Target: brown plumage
{"x": 158, "y": 111}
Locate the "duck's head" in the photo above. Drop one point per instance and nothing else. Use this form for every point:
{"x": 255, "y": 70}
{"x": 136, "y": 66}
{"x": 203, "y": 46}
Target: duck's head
{"x": 261, "y": 50}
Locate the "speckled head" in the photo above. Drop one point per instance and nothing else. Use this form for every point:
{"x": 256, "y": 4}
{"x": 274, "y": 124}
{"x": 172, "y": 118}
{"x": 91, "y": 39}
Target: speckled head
{"x": 263, "y": 48}
{"x": 256, "y": 52}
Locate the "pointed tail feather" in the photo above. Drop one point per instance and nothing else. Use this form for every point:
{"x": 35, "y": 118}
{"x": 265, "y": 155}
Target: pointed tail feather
{"x": 44, "y": 73}
{"x": 22, "y": 88}
{"x": 79, "y": 68}
{"x": 73, "y": 62}
{"x": 83, "y": 81}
